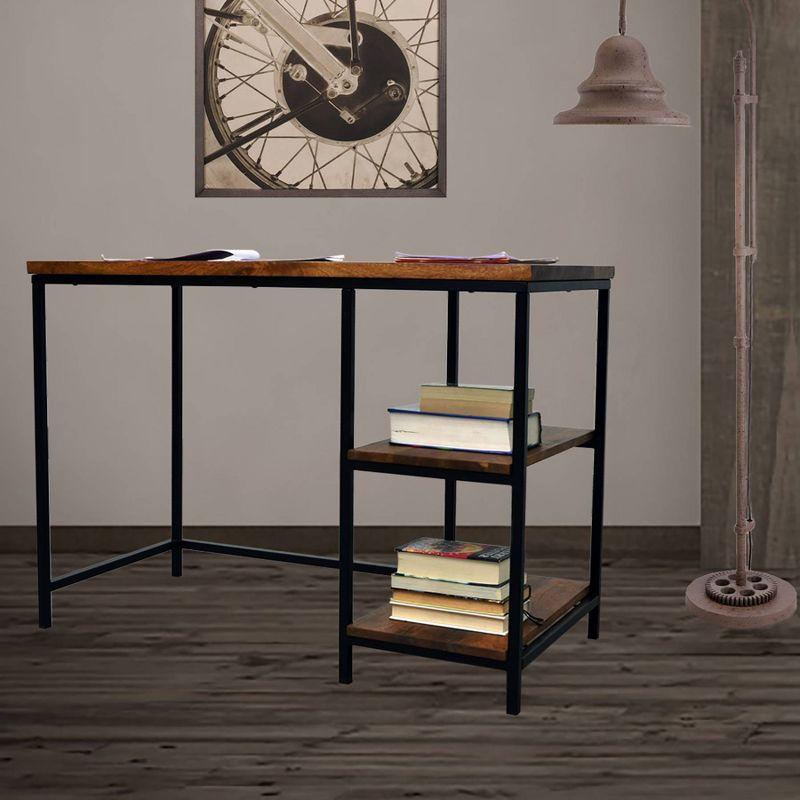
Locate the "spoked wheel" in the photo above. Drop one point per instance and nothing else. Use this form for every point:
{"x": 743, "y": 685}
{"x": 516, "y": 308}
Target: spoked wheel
{"x": 384, "y": 135}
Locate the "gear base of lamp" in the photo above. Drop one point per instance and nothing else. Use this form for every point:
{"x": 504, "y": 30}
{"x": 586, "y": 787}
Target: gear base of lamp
{"x": 720, "y": 611}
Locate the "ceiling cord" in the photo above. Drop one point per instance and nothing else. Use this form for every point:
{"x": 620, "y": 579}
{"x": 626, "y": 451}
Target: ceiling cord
{"x": 623, "y": 18}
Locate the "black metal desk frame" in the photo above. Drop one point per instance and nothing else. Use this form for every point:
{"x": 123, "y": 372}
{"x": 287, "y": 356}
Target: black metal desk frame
{"x": 519, "y": 656}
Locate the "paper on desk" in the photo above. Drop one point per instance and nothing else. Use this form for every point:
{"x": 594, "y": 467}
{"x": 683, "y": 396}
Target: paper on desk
{"x": 494, "y": 258}
{"x": 310, "y": 260}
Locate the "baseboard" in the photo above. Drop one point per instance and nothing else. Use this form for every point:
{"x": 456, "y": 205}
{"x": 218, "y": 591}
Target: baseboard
{"x": 654, "y": 543}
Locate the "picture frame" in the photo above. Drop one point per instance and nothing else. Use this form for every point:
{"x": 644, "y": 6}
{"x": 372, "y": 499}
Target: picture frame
{"x": 380, "y": 141}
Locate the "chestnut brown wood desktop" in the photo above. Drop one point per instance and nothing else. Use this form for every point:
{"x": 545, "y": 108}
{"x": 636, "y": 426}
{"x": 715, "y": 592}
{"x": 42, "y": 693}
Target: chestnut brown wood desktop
{"x": 560, "y": 603}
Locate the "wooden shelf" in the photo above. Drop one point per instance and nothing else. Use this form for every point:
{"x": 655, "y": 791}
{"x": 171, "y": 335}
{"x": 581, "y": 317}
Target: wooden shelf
{"x": 551, "y": 599}
{"x": 554, "y": 441}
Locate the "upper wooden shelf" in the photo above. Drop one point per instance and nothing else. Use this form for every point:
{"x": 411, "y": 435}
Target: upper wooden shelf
{"x": 554, "y": 441}
{"x": 551, "y": 598}
{"x": 325, "y": 270}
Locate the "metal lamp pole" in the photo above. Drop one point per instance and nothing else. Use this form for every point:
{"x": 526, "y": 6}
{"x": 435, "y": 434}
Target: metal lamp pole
{"x": 745, "y": 104}
{"x": 744, "y": 598}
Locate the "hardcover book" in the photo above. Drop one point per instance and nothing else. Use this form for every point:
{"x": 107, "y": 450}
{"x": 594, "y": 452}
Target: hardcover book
{"x": 470, "y": 400}
{"x": 451, "y": 619}
{"x": 468, "y": 605}
{"x": 475, "y": 591}
{"x": 466, "y": 562}
{"x": 415, "y": 428}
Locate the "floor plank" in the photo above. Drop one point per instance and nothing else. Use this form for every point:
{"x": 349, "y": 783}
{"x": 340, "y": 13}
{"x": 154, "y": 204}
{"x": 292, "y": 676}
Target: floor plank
{"x": 222, "y": 684}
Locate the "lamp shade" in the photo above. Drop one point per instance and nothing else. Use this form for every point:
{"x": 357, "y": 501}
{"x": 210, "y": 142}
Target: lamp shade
{"x": 622, "y": 90}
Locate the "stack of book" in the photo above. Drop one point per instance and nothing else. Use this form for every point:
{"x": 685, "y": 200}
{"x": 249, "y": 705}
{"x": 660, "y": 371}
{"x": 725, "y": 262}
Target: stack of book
{"x": 464, "y": 417}
{"x": 458, "y": 585}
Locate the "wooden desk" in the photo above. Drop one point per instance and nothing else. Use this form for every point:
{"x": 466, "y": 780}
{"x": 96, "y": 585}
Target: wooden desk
{"x": 561, "y": 603}
{"x": 322, "y": 270}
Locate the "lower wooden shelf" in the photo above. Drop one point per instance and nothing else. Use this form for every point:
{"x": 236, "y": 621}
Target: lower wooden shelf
{"x": 551, "y": 599}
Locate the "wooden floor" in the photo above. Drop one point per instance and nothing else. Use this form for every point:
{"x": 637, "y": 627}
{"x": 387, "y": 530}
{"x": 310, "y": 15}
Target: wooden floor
{"x": 222, "y": 684}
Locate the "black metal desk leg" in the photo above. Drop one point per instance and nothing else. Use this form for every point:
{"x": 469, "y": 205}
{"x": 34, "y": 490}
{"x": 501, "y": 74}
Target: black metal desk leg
{"x": 43, "y": 550}
{"x": 347, "y": 435}
{"x": 519, "y": 468}
{"x": 596, "y": 555}
{"x": 452, "y": 378}
{"x": 177, "y": 431}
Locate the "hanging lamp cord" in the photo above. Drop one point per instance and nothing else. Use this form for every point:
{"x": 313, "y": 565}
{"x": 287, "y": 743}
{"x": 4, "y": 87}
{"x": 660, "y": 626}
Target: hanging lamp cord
{"x": 623, "y": 17}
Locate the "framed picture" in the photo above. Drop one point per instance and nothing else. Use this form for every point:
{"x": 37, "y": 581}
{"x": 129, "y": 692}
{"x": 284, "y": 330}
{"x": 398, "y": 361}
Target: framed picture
{"x": 291, "y": 103}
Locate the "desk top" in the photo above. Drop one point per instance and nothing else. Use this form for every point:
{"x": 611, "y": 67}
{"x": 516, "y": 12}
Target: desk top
{"x": 326, "y": 270}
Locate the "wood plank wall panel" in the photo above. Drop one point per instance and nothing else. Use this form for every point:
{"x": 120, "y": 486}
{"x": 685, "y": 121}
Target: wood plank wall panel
{"x": 776, "y": 411}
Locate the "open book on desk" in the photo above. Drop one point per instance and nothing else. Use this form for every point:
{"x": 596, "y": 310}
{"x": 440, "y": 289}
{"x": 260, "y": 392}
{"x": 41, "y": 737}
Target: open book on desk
{"x": 223, "y": 255}
{"x": 205, "y": 255}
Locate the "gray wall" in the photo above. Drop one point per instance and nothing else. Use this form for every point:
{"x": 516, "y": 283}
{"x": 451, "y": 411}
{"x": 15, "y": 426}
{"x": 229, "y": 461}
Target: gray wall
{"x": 776, "y": 400}
{"x": 97, "y": 158}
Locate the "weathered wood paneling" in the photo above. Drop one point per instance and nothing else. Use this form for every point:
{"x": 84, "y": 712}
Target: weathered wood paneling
{"x": 221, "y": 685}
{"x": 776, "y": 409}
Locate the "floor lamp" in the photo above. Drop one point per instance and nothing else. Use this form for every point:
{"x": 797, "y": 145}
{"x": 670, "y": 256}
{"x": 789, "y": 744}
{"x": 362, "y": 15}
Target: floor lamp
{"x": 622, "y": 90}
